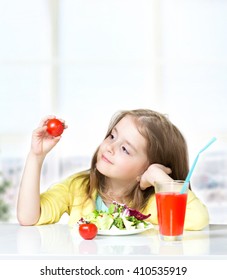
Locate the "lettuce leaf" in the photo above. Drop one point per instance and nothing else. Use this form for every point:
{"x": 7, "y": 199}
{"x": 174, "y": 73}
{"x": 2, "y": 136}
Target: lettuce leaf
{"x": 118, "y": 216}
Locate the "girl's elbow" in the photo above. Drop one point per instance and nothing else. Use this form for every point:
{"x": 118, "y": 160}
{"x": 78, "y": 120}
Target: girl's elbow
{"x": 25, "y": 221}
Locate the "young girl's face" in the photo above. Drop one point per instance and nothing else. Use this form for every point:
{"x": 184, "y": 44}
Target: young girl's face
{"x": 122, "y": 155}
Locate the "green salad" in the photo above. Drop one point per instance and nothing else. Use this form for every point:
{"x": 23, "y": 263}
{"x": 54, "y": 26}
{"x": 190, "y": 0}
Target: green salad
{"x": 117, "y": 217}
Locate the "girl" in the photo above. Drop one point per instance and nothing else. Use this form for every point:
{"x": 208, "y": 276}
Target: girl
{"x": 140, "y": 147}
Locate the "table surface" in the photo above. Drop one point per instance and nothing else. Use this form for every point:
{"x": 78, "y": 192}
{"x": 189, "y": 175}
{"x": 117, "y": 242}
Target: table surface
{"x": 61, "y": 241}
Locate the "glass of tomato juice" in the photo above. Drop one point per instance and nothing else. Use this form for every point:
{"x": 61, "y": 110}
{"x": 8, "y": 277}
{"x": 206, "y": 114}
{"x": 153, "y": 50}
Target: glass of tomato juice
{"x": 171, "y": 208}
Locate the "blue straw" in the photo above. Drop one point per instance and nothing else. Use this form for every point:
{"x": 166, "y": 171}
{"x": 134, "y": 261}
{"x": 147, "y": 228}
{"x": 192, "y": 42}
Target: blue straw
{"x": 184, "y": 188}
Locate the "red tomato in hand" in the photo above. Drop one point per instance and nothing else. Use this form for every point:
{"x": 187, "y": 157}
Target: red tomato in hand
{"x": 55, "y": 127}
{"x": 88, "y": 231}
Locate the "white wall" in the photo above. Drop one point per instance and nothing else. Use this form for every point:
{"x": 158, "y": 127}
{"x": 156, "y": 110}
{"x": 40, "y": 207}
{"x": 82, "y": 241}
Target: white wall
{"x": 84, "y": 60}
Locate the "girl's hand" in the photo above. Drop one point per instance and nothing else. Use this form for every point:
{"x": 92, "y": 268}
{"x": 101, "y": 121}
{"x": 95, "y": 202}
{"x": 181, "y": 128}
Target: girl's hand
{"x": 155, "y": 172}
{"x": 42, "y": 142}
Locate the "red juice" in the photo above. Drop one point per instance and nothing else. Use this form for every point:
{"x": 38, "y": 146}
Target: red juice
{"x": 171, "y": 209}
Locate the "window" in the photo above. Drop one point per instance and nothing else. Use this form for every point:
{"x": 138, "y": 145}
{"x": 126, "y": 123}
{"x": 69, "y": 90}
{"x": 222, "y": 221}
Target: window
{"x": 84, "y": 60}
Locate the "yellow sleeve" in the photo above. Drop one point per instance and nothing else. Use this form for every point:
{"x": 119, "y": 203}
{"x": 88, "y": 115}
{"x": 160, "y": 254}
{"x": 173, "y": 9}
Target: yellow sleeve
{"x": 151, "y": 208}
{"x": 54, "y": 203}
{"x": 197, "y": 216}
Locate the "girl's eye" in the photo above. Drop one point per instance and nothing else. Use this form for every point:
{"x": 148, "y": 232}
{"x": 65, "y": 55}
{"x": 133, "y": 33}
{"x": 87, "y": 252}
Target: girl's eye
{"x": 125, "y": 150}
{"x": 111, "y": 136}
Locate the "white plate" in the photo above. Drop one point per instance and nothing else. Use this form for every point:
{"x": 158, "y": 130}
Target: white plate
{"x": 124, "y": 231}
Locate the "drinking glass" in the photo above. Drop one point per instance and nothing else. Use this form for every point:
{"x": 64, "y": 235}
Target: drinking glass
{"x": 171, "y": 208}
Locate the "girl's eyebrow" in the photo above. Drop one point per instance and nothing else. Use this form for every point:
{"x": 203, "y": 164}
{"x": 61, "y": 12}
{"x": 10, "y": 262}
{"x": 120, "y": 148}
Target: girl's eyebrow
{"x": 126, "y": 141}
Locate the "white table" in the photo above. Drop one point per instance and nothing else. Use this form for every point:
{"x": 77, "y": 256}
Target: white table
{"x": 61, "y": 241}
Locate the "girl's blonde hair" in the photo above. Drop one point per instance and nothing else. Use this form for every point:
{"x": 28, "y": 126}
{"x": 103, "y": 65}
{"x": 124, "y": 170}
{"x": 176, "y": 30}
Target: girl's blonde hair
{"x": 165, "y": 145}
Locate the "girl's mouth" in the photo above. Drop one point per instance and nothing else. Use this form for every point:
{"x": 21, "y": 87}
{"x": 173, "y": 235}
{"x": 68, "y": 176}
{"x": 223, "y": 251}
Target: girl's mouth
{"x": 106, "y": 159}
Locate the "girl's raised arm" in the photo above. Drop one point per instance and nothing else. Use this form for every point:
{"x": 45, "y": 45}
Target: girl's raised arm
{"x": 28, "y": 205}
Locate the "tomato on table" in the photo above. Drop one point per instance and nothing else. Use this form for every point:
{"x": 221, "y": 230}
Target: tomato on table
{"x": 55, "y": 127}
{"x": 88, "y": 230}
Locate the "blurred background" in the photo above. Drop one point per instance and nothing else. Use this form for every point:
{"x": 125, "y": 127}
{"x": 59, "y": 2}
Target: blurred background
{"x": 83, "y": 60}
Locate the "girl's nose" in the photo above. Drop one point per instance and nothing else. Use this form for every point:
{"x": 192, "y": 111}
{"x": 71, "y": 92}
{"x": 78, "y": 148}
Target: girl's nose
{"x": 111, "y": 148}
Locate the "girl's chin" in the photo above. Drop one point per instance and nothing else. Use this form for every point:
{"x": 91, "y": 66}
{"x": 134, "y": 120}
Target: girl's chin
{"x": 105, "y": 171}
{"x": 101, "y": 169}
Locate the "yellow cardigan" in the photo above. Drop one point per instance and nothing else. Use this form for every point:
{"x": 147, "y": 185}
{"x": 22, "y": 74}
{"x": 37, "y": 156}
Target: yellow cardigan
{"x": 62, "y": 198}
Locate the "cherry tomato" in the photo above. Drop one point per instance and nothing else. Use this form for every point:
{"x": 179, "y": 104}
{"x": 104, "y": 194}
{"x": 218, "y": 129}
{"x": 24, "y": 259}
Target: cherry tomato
{"x": 88, "y": 231}
{"x": 55, "y": 127}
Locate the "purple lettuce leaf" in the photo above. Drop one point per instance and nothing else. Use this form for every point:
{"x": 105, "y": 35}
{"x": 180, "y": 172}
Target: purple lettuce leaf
{"x": 131, "y": 212}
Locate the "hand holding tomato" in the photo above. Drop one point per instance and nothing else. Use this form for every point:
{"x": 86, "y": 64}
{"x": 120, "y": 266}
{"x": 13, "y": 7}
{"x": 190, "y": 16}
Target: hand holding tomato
{"x": 42, "y": 141}
{"x": 88, "y": 231}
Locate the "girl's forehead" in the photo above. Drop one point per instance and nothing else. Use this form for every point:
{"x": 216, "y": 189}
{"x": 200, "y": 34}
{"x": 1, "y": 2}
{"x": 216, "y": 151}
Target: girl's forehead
{"x": 128, "y": 121}
{"x": 129, "y": 128}
{"x": 125, "y": 121}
